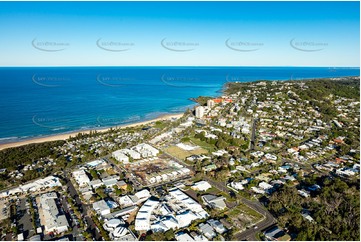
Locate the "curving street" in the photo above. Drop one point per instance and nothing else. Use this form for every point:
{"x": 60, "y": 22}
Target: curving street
{"x": 248, "y": 234}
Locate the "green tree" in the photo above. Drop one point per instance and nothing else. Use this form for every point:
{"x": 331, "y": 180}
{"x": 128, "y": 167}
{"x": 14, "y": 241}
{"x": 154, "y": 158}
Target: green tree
{"x": 101, "y": 192}
{"x": 94, "y": 174}
{"x": 221, "y": 144}
{"x": 169, "y": 235}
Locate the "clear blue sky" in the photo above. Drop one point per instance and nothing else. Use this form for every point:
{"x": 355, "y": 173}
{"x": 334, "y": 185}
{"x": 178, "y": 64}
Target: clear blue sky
{"x": 258, "y": 33}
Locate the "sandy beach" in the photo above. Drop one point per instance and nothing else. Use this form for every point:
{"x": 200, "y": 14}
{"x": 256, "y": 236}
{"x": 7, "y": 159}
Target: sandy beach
{"x": 66, "y": 136}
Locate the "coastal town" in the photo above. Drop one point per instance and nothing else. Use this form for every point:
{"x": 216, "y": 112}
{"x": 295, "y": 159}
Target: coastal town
{"x": 263, "y": 161}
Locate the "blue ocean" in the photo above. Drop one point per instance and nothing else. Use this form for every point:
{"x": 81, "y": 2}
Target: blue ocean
{"x": 44, "y": 101}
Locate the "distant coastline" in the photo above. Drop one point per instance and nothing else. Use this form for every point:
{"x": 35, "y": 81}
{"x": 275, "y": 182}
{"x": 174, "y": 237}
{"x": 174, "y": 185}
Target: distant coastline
{"x": 160, "y": 97}
{"x": 65, "y": 136}
{"x": 72, "y": 134}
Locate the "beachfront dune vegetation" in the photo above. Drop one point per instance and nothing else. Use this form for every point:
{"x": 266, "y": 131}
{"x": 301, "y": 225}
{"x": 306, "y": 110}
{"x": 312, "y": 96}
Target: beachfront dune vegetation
{"x": 24, "y": 155}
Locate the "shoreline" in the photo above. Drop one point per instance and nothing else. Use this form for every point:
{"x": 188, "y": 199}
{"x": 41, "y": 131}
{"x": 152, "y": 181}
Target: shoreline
{"x": 168, "y": 116}
{"x": 102, "y": 130}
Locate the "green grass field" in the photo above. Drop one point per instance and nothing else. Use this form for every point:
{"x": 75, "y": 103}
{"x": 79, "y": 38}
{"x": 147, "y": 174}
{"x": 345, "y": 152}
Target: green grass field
{"x": 203, "y": 144}
{"x": 182, "y": 154}
{"x": 242, "y": 208}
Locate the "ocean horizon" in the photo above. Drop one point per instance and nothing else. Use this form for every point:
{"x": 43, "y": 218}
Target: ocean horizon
{"x": 44, "y": 101}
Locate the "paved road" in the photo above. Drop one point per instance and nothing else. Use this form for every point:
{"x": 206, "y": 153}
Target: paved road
{"x": 76, "y": 233}
{"x": 253, "y": 135}
{"x": 269, "y": 220}
{"x": 83, "y": 209}
{"x": 24, "y": 222}
{"x": 250, "y": 233}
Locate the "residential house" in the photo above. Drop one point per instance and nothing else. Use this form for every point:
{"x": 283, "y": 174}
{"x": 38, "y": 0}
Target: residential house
{"x": 214, "y": 201}
{"x": 207, "y": 230}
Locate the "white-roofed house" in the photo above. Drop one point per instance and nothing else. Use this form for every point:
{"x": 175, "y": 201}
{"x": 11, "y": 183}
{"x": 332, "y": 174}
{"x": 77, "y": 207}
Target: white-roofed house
{"x": 164, "y": 177}
{"x": 217, "y": 226}
{"x": 181, "y": 236}
{"x": 214, "y": 201}
{"x": 95, "y": 163}
{"x": 110, "y": 181}
{"x": 125, "y": 201}
{"x": 237, "y": 185}
{"x": 81, "y": 178}
{"x": 258, "y": 190}
{"x": 96, "y": 183}
{"x": 265, "y": 185}
{"x": 270, "y": 157}
{"x": 101, "y": 207}
{"x": 207, "y": 230}
{"x": 201, "y": 186}
{"x": 142, "y": 195}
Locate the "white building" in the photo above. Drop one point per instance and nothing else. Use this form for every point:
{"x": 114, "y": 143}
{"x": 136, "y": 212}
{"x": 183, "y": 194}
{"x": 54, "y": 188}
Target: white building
{"x": 237, "y": 185}
{"x": 40, "y": 184}
{"x": 121, "y": 232}
{"x": 181, "y": 236}
{"x": 210, "y": 103}
{"x": 96, "y": 183}
{"x": 219, "y": 153}
{"x": 101, "y": 207}
{"x": 207, "y": 230}
{"x": 270, "y": 157}
{"x": 112, "y": 224}
{"x": 20, "y": 237}
{"x": 303, "y": 193}
{"x": 265, "y": 185}
{"x": 120, "y": 156}
{"x": 211, "y": 136}
{"x": 141, "y": 196}
{"x": 257, "y": 190}
{"x": 199, "y": 112}
{"x": 95, "y": 163}
{"x": 125, "y": 201}
{"x": 164, "y": 224}
{"x": 146, "y": 150}
{"x": 185, "y": 218}
{"x": 257, "y": 154}
{"x": 187, "y": 147}
{"x": 142, "y": 220}
{"x": 346, "y": 172}
{"x": 134, "y": 154}
{"x": 50, "y": 218}
{"x": 214, "y": 201}
{"x": 217, "y": 226}
{"x": 188, "y": 202}
{"x": 201, "y": 186}
{"x": 110, "y": 181}
{"x": 81, "y": 178}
